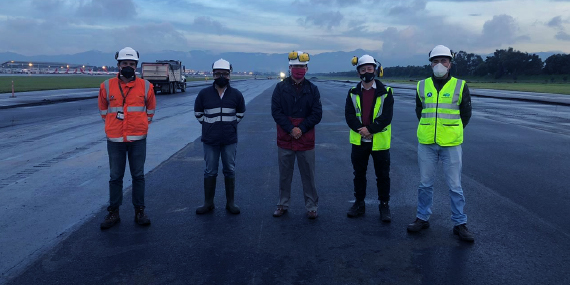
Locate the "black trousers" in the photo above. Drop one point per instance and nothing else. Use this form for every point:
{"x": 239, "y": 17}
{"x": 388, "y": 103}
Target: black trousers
{"x": 359, "y": 157}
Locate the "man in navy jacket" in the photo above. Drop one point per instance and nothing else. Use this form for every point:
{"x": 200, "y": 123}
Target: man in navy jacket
{"x": 296, "y": 108}
{"x": 219, "y": 108}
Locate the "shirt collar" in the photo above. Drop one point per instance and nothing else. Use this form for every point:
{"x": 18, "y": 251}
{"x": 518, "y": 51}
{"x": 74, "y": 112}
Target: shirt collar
{"x": 373, "y": 86}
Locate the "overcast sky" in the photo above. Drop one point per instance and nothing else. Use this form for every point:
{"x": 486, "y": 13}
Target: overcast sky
{"x": 49, "y": 27}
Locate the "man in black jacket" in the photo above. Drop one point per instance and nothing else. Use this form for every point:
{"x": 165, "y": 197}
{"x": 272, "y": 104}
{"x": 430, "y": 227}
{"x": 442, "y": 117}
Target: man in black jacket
{"x": 219, "y": 108}
{"x": 296, "y": 108}
{"x": 368, "y": 112}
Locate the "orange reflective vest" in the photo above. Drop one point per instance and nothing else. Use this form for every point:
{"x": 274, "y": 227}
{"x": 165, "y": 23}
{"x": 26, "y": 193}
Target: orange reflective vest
{"x": 136, "y": 103}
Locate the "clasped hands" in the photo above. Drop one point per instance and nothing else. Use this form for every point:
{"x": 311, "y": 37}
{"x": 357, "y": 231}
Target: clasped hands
{"x": 365, "y": 133}
{"x": 296, "y": 133}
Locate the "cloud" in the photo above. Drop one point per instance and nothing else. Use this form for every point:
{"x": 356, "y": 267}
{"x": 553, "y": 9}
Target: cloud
{"x": 500, "y": 30}
{"x": 331, "y": 3}
{"x": 563, "y": 36}
{"x": 327, "y": 19}
{"x": 206, "y": 24}
{"x": 164, "y": 36}
{"x": 107, "y": 9}
{"x": 411, "y": 9}
{"x": 556, "y": 22}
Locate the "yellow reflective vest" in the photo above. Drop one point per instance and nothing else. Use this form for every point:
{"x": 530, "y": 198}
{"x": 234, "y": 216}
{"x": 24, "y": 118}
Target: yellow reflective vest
{"x": 380, "y": 140}
{"x": 440, "y": 122}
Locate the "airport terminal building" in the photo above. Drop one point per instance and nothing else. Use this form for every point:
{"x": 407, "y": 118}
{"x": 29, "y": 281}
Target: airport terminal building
{"x": 44, "y": 67}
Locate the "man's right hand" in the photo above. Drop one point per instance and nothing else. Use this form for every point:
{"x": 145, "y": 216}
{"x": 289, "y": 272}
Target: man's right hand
{"x": 296, "y": 133}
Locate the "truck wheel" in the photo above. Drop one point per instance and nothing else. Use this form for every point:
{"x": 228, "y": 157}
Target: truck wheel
{"x": 174, "y": 87}
{"x": 183, "y": 87}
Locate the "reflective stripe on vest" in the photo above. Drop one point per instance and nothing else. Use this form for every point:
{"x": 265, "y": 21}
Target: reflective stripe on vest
{"x": 129, "y": 138}
{"x": 131, "y": 109}
{"x": 380, "y": 140}
{"x": 440, "y": 120}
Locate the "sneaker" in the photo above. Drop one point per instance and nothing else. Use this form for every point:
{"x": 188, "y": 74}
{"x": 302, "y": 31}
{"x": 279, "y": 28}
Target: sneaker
{"x": 312, "y": 215}
{"x": 385, "y": 215}
{"x": 111, "y": 219}
{"x": 418, "y": 225}
{"x": 279, "y": 212}
{"x": 463, "y": 233}
{"x": 357, "y": 209}
{"x": 140, "y": 217}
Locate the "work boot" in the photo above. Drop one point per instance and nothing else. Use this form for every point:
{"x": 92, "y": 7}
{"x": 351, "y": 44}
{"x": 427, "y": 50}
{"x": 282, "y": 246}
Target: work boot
{"x": 111, "y": 218}
{"x": 230, "y": 189}
{"x": 418, "y": 225}
{"x": 209, "y": 193}
{"x": 463, "y": 233}
{"x": 357, "y": 209}
{"x": 385, "y": 215}
{"x": 140, "y": 217}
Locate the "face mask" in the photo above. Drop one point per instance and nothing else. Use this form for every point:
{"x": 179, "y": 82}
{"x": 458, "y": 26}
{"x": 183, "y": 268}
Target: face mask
{"x": 127, "y": 72}
{"x": 439, "y": 70}
{"x": 298, "y": 73}
{"x": 221, "y": 81}
{"x": 367, "y": 77}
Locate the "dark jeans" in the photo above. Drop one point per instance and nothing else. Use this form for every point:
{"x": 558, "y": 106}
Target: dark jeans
{"x": 118, "y": 152}
{"x": 212, "y": 154}
{"x": 381, "y": 158}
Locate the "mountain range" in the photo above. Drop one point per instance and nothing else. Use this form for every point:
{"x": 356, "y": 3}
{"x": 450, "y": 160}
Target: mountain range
{"x": 257, "y": 62}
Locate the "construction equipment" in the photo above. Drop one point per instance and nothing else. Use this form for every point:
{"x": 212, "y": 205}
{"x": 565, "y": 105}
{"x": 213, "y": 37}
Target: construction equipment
{"x": 165, "y": 75}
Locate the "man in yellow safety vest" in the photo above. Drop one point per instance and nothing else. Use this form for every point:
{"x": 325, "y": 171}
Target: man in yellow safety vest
{"x": 443, "y": 106}
{"x": 368, "y": 112}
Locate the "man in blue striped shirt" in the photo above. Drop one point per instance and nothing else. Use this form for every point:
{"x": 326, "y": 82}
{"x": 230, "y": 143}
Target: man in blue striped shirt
{"x": 219, "y": 108}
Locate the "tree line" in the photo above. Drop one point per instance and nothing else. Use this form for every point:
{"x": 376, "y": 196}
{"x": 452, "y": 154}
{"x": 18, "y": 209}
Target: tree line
{"x": 504, "y": 63}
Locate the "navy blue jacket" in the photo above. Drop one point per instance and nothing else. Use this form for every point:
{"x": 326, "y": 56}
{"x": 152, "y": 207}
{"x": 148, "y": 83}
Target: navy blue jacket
{"x": 290, "y": 109}
{"x": 219, "y": 116}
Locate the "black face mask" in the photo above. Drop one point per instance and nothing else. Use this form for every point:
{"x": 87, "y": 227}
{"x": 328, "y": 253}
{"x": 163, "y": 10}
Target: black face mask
{"x": 221, "y": 81}
{"x": 128, "y": 72}
{"x": 367, "y": 77}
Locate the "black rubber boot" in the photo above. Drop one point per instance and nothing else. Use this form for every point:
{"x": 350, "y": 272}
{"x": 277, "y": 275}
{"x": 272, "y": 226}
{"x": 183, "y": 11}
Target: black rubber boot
{"x": 209, "y": 193}
{"x": 230, "y": 189}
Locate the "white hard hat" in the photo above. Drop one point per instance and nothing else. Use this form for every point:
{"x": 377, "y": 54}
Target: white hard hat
{"x": 127, "y": 54}
{"x": 440, "y": 50}
{"x": 222, "y": 64}
{"x": 298, "y": 58}
{"x": 365, "y": 59}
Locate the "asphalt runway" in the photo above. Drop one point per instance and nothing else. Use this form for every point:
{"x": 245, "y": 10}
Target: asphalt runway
{"x": 514, "y": 177}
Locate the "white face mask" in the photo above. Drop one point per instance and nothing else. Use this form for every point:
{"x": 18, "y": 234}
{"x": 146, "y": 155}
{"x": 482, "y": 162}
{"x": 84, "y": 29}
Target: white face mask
{"x": 439, "y": 70}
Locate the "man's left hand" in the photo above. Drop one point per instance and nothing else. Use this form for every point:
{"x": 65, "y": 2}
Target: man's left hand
{"x": 296, "y": 133}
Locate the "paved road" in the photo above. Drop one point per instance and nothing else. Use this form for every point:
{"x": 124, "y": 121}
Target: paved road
{"x": 515, "y": 179}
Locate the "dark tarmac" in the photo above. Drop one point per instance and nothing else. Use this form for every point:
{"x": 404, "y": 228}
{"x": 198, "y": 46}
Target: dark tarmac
{"x": 515, "y": 243}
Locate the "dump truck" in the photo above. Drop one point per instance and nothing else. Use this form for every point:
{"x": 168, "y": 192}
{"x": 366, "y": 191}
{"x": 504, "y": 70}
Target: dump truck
{"x": 165, "y": 75}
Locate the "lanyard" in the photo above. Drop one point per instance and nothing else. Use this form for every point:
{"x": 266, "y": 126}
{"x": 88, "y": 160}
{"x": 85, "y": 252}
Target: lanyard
{"x": 123, "y": 94}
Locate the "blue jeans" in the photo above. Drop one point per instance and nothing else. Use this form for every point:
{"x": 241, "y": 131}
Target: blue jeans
{"x": 212, "y": 154}
{"x": 451, "y": 158}
{"x": 118, "y": 152}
